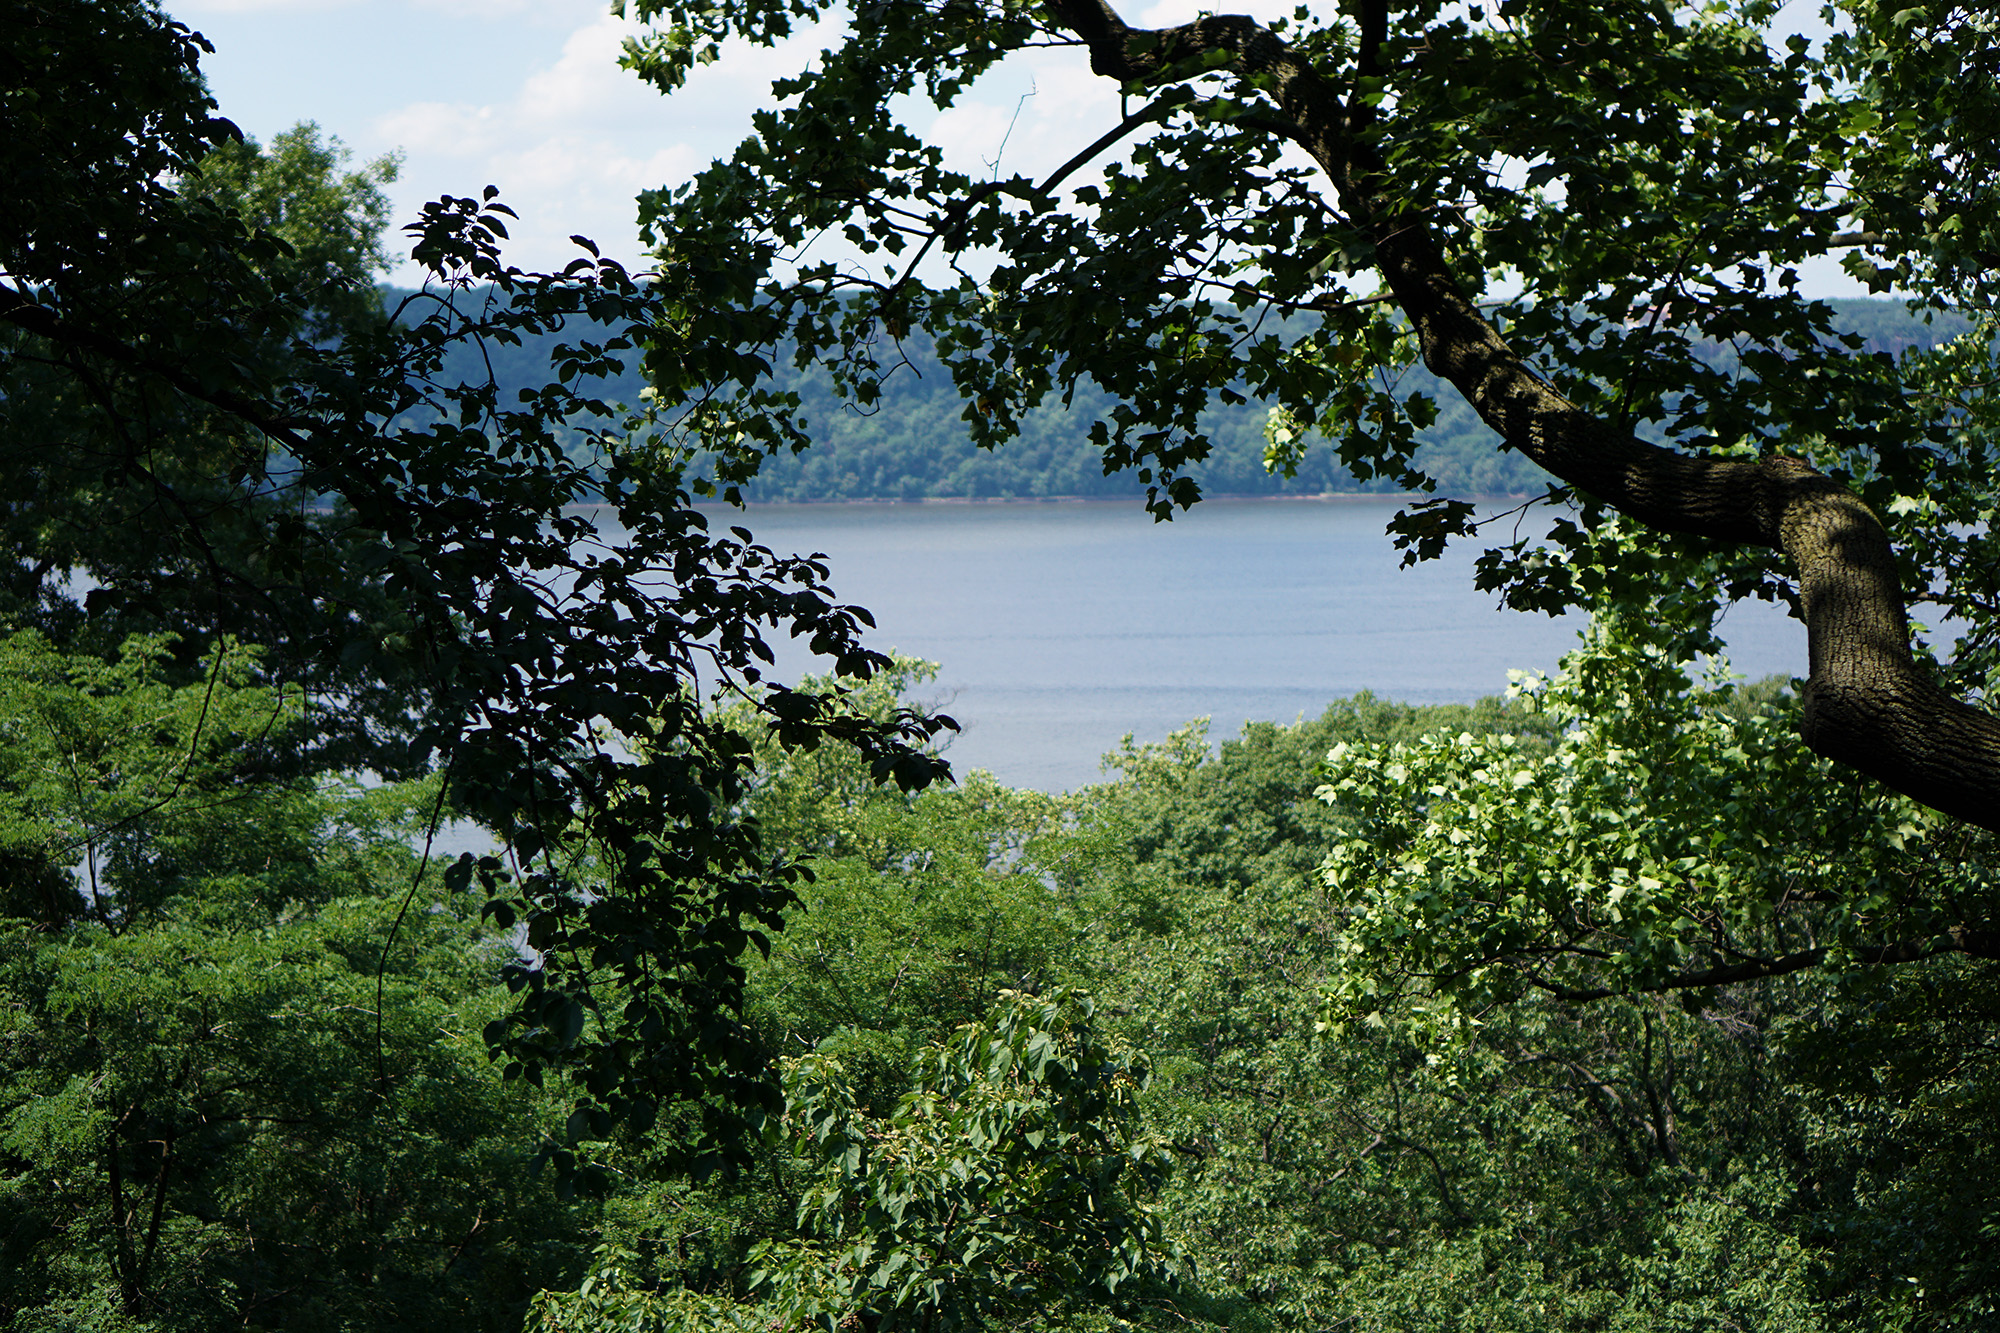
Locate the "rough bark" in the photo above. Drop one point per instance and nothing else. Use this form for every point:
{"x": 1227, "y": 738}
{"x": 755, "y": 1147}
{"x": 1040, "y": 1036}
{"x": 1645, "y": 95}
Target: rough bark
{"x": 1867, "y": 703}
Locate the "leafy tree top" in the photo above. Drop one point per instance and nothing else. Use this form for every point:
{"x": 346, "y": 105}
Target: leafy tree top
{"x": 404, "y": 546}
{"x": 1562, "y": 209}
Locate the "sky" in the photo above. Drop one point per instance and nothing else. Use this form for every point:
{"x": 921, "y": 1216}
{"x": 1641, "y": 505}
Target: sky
{"x": 527, "y": 95}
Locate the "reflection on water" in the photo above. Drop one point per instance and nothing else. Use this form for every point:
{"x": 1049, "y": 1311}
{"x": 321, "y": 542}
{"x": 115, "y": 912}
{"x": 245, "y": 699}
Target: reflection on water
{"x": 1060, "y": 627}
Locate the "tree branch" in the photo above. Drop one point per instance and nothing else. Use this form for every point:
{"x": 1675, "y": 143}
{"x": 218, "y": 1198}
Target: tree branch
{"x": 1970, "y": 941}
{"x": 31, "y": 317}
{"x": 1867, "y": 704}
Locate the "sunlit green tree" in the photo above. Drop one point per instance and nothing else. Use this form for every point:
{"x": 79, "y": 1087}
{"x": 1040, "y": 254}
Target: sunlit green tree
{"x": 241, "y": 1076}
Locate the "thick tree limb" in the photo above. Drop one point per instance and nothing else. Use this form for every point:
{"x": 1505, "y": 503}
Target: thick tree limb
{"x": 29, "y": 316}
{"x": 1971, "y": 942}
{"x": 1867, "y": 704}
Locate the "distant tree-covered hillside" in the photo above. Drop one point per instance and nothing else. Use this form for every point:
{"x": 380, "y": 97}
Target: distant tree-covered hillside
{"x": 913, "y": 445}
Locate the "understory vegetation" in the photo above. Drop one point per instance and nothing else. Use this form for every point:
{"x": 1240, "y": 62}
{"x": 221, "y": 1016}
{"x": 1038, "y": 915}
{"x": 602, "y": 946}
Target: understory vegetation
{"x": 1128, "y": 1057}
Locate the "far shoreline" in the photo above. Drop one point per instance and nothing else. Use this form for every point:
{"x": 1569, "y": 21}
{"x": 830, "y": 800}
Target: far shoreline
{"x": 969, "y": 501}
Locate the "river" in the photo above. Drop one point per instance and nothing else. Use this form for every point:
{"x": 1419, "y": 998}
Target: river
{"x": 1059, "y": 627}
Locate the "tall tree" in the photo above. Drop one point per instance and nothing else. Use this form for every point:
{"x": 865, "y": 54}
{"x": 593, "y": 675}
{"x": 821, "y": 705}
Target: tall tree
{"x": 176, "y": 438}
{"x": 241, "y": 1076}
{"x": 1564, "y": 202}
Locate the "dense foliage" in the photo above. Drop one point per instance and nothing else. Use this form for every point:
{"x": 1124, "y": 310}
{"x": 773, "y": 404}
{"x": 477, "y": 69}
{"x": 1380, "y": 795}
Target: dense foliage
{"x": 1352, "y": 1144}
{"x": 1260, "y": 1115}
{"x": 241, "y": 1075}
{"x": 1600, "y": 1007}
{"x": 402, "y": 546}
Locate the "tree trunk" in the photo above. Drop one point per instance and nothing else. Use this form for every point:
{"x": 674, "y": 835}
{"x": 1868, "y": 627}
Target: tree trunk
{"x": 1867, "y": 703}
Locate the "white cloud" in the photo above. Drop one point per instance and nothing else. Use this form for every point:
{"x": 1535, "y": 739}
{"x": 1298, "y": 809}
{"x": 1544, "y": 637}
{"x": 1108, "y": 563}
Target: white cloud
{"x": 1026, "y": 117}
{"x": 484, "y": 10}
{"x": 530, "y": 98}
{"x": 585, "y": 84}
{"x": 974, "y": 136}
{"x": 573, "y": 140}
{"x": 440, "y": 128}
{"x": 196, "y": 12}
{"x": 569, "y": 146}
{"x": 193, "y": 11}
{"x": 1170, "y": 12}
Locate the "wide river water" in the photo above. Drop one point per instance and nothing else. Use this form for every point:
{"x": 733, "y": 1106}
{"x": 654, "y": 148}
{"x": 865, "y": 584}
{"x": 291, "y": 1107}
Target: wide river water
{"x": 1059, "y": 627}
